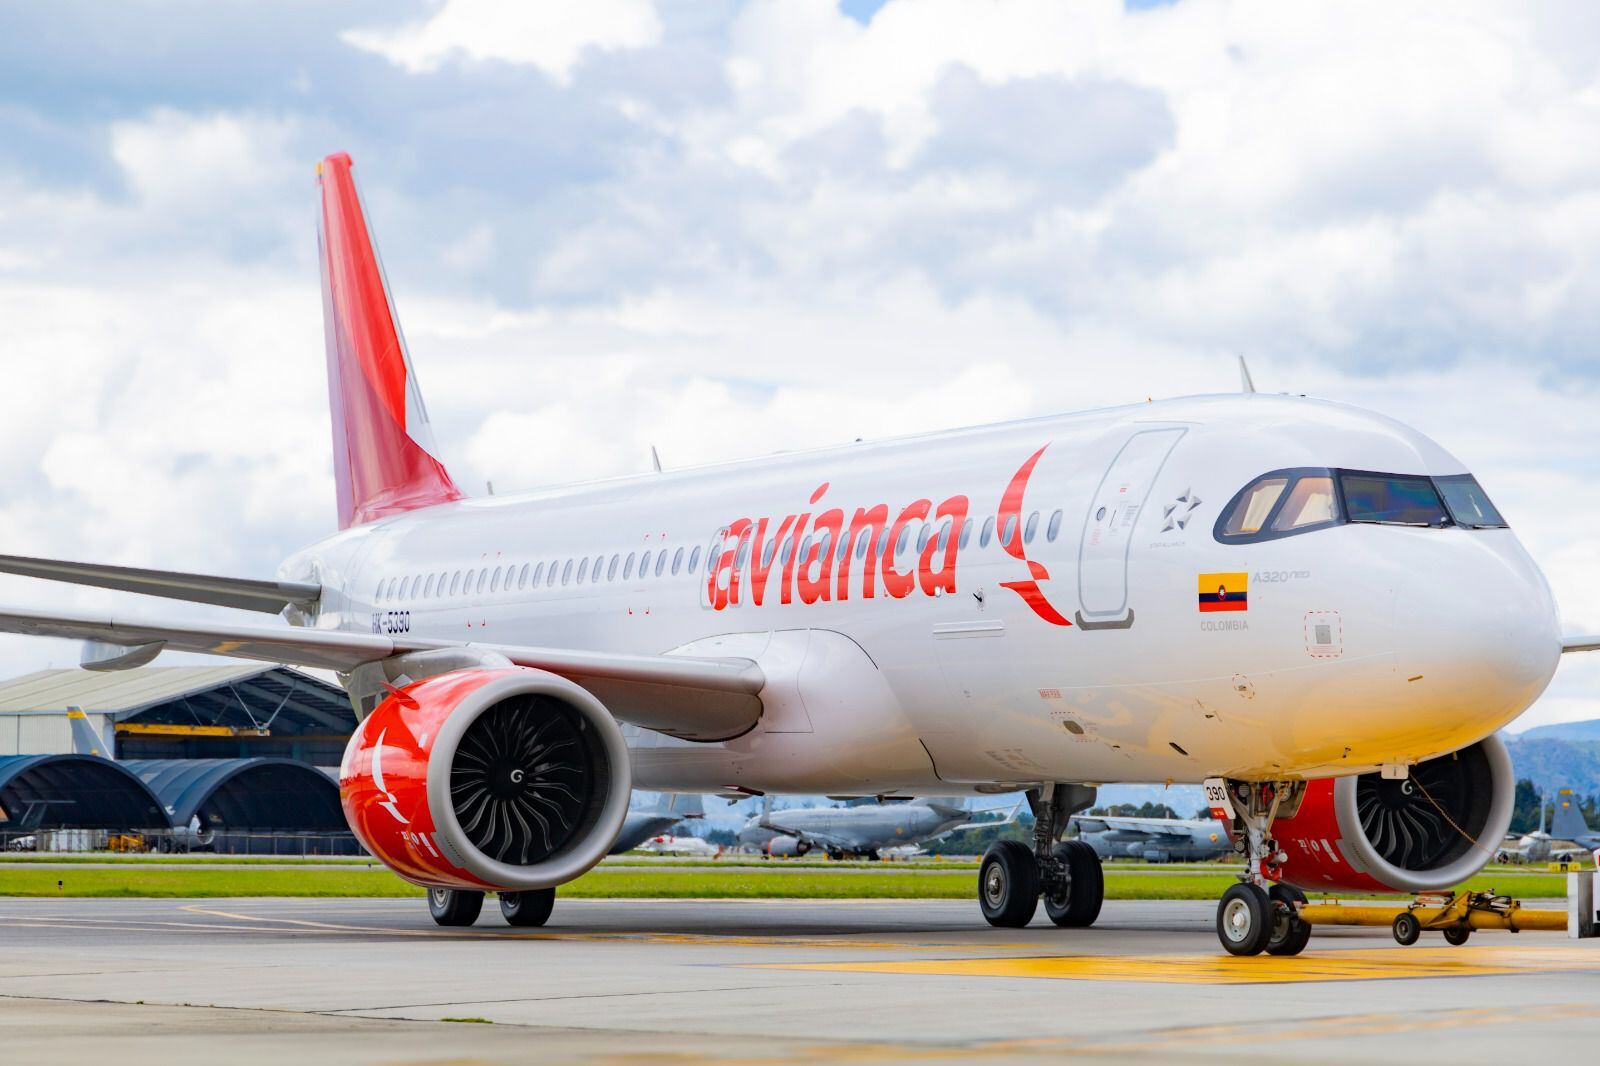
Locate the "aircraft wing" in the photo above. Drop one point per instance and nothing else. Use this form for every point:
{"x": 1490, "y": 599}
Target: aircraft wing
{"x": 1590, "y": 642}
{"x": 1152, "y": 827}
{"x": 698, "y": 697}
{"x": 270, "y": 597}
{"x": 807, "y": 836}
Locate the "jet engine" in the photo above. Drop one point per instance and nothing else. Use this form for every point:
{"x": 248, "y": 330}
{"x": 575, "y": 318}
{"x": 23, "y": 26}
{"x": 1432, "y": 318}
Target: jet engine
{"x": 1429, "y": 831}
{"x": 510, "y": 778}
{"x": 781, "y": 847}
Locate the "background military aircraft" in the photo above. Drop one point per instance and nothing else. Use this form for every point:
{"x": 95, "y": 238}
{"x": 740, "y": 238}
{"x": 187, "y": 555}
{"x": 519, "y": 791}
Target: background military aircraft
{"x": 1153, "y": 839}
{"x": 865, "y": 831}
{"x": 1568, "y": 826}
{"x": 643, "y": 824}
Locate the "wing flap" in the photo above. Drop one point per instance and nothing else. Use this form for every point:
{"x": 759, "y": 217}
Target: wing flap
{"x": 270, "y": 597}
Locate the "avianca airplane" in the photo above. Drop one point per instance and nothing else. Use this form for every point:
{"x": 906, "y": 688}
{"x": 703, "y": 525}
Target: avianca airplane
{"x": 1314, "y": 610}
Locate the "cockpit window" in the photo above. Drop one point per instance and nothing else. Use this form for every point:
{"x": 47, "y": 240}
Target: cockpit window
{"x": 1469, "y": 504}
{"x": 1311, "y": 503}
{"x": 1392, "y": 499}
{"x": 1250, "y": 513}
{"x": 1284, "y": 503}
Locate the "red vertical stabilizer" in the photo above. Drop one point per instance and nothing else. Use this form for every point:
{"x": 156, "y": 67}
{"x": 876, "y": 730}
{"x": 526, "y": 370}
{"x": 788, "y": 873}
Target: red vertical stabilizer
{"x": 383, "y": 450}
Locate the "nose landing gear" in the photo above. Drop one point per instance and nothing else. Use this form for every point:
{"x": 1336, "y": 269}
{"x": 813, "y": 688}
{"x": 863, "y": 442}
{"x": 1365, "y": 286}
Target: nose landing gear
{"x": 1258, "y": 915}
{"x": 1013, "y": 877}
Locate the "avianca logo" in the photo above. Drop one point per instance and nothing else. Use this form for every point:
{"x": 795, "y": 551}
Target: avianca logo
{"x": 818, "y": 558}
{"x": 1009, "y": 521}
{"x": 819, "y": 570}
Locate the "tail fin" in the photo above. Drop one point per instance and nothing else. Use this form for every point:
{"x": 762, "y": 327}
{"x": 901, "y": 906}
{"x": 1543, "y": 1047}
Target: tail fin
{"x": 85, "y": 741}
{"x": 686, "y": 805}
{"x": 383, "y": 450}
{"x": 1568, "y": 823}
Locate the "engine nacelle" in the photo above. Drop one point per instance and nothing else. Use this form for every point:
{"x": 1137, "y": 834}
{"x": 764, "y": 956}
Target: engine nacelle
{"x": 492, "y": 779}
{"x": 1431, "y": 831}
{"x": 782, "y": 847}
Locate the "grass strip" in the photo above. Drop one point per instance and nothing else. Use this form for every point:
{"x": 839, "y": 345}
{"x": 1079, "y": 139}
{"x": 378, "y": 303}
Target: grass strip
{"x": 177, "y": 882}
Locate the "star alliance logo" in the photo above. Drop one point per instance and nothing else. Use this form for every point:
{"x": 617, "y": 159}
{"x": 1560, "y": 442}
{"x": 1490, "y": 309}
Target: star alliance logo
{"x": 1179, "y": 511}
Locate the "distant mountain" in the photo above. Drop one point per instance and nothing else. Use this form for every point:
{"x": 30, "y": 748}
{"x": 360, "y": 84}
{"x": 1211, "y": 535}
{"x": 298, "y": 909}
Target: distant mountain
{"x": 1589, "y": 730}
{"x": 1552, "y": 763}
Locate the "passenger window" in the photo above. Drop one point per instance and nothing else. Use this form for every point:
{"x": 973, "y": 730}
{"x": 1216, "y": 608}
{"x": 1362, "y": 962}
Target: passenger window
{"x": 1250, "y": 513}
{"x": 1008, "y": 531}
{"x": 783, "y": 556}
{"x": 611, "y": 571}
{"x": 550, "y": 579}
{"x": 988, "y": 532}
{"x": 922, "y": 537}
{"x": 522, "y": 577}
{"x": 494, "y": 580}
{"x": 904, "y": 538}
{"x": 428, "y": 590}
{"x": 405, "y": 586}
{"x": 883, "y": 543}
{"x": 861, "y": 543}
{"x": 627, "y": 568}
{"x": 455, "y": 582}
{"x": 538, "y": 572}
{"x": 566, "y": 572}
{"x": 1031, "y": 528}
{"x": 805, "y": 549}
{"x": 694, "y": 560}
{"x": 824, "y": 543}
{"x": 966, "y": 534}
{"x": 844, "y": 546}
{"x": 644, "y": 566}
{"x": 677, "y": 561}
{"x": 1393, "y": 499}
{"x": 1311, "y": 502}
{"x": 482, "y": 576}
{"x": 583, "y": 569}
{"x": 1054, "y": 527}
{"x": 767, "y": 552}
{"x": 661, "y": 562}
{"x": 944, "y": 536}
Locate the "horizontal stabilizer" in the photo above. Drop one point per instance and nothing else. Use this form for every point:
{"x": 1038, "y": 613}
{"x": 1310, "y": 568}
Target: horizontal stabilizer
{"x": 270, "y": 597}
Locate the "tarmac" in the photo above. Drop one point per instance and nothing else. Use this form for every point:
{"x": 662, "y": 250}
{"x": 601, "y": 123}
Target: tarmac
{"x": 759, "y": 981}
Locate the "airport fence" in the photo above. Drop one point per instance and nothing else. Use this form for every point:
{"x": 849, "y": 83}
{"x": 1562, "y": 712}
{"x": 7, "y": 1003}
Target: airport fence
{"x": 285, "y": 843}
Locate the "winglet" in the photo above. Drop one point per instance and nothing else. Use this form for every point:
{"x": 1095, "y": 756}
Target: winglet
{"x": 383, "y": 451}
{"x": 1245, "y": 382}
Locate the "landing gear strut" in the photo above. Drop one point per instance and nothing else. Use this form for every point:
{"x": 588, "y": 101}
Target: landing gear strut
{"x": 1257, "y": 914}
{"x": 1067, "y": 873}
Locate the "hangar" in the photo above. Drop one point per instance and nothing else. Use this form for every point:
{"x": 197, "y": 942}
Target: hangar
{"x": 236, "y": 758}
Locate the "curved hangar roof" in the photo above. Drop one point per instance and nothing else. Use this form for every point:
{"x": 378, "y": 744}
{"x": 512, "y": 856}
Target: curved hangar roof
{"x": 74, "y": 791}
{"x": 243, "y": 794}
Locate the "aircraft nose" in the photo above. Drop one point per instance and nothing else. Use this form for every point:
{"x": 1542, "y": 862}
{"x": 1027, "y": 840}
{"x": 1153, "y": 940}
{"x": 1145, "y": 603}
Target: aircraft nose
{"x": 1477, "y": 633}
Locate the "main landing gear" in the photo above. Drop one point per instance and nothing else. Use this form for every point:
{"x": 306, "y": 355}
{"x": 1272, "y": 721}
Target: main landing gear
{"x": 1255, "y": 915}
{"x": 458, "y": 907}
{"x": 1066, "y": 873}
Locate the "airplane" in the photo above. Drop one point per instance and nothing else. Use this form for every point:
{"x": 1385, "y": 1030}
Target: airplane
{"x": 1568, "y": 823}
{"x": 863, "y": 831}
{"x": 1540, "y": 846}
{"x": 667, "y": 844}
{"x": 1153, "y": 839}
{"x": 640, "y": 825}
{"x": 1313, "y": 610}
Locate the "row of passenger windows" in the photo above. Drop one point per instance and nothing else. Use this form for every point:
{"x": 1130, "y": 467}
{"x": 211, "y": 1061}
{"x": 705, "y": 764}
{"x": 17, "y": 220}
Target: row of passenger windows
{"x": 513, "y": 578}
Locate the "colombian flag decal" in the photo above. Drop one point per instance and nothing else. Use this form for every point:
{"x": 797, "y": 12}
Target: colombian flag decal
{"x": 1224, "y": 592}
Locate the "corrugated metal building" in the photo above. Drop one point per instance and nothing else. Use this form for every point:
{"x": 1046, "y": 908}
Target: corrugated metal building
{"x": 181, "y": 712}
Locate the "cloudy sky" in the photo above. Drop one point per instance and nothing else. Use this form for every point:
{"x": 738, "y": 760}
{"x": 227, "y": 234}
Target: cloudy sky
{"x": 728, "y": 228}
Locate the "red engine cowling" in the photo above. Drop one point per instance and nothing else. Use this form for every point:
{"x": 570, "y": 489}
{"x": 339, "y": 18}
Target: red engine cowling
{"x": 510, "y": 779}
{"x": 1428, "y": 832}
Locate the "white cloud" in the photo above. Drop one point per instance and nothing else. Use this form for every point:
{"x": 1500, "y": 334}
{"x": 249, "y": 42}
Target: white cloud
{"x": 550, "y": 36}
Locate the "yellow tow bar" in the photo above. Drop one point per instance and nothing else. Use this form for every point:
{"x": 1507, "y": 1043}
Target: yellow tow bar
{"x": 1455, "y": 915}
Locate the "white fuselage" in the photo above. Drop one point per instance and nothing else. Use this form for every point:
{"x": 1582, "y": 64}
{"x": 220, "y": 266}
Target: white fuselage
{"x": 1361, "y": 644}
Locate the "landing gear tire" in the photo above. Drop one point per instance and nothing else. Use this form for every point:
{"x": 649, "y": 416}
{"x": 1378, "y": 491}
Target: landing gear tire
{"x": 1457, "y": 936}
{"x": 1406, "y": 929}
{"x": 527, "y": 908}
{"x": 452, "y": 906}
{"x": 1008, "y": 885}
{"x": 1076, "y": 904}
{"x": 1290, "y": 935}
{"x": 1244, "y": 920}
